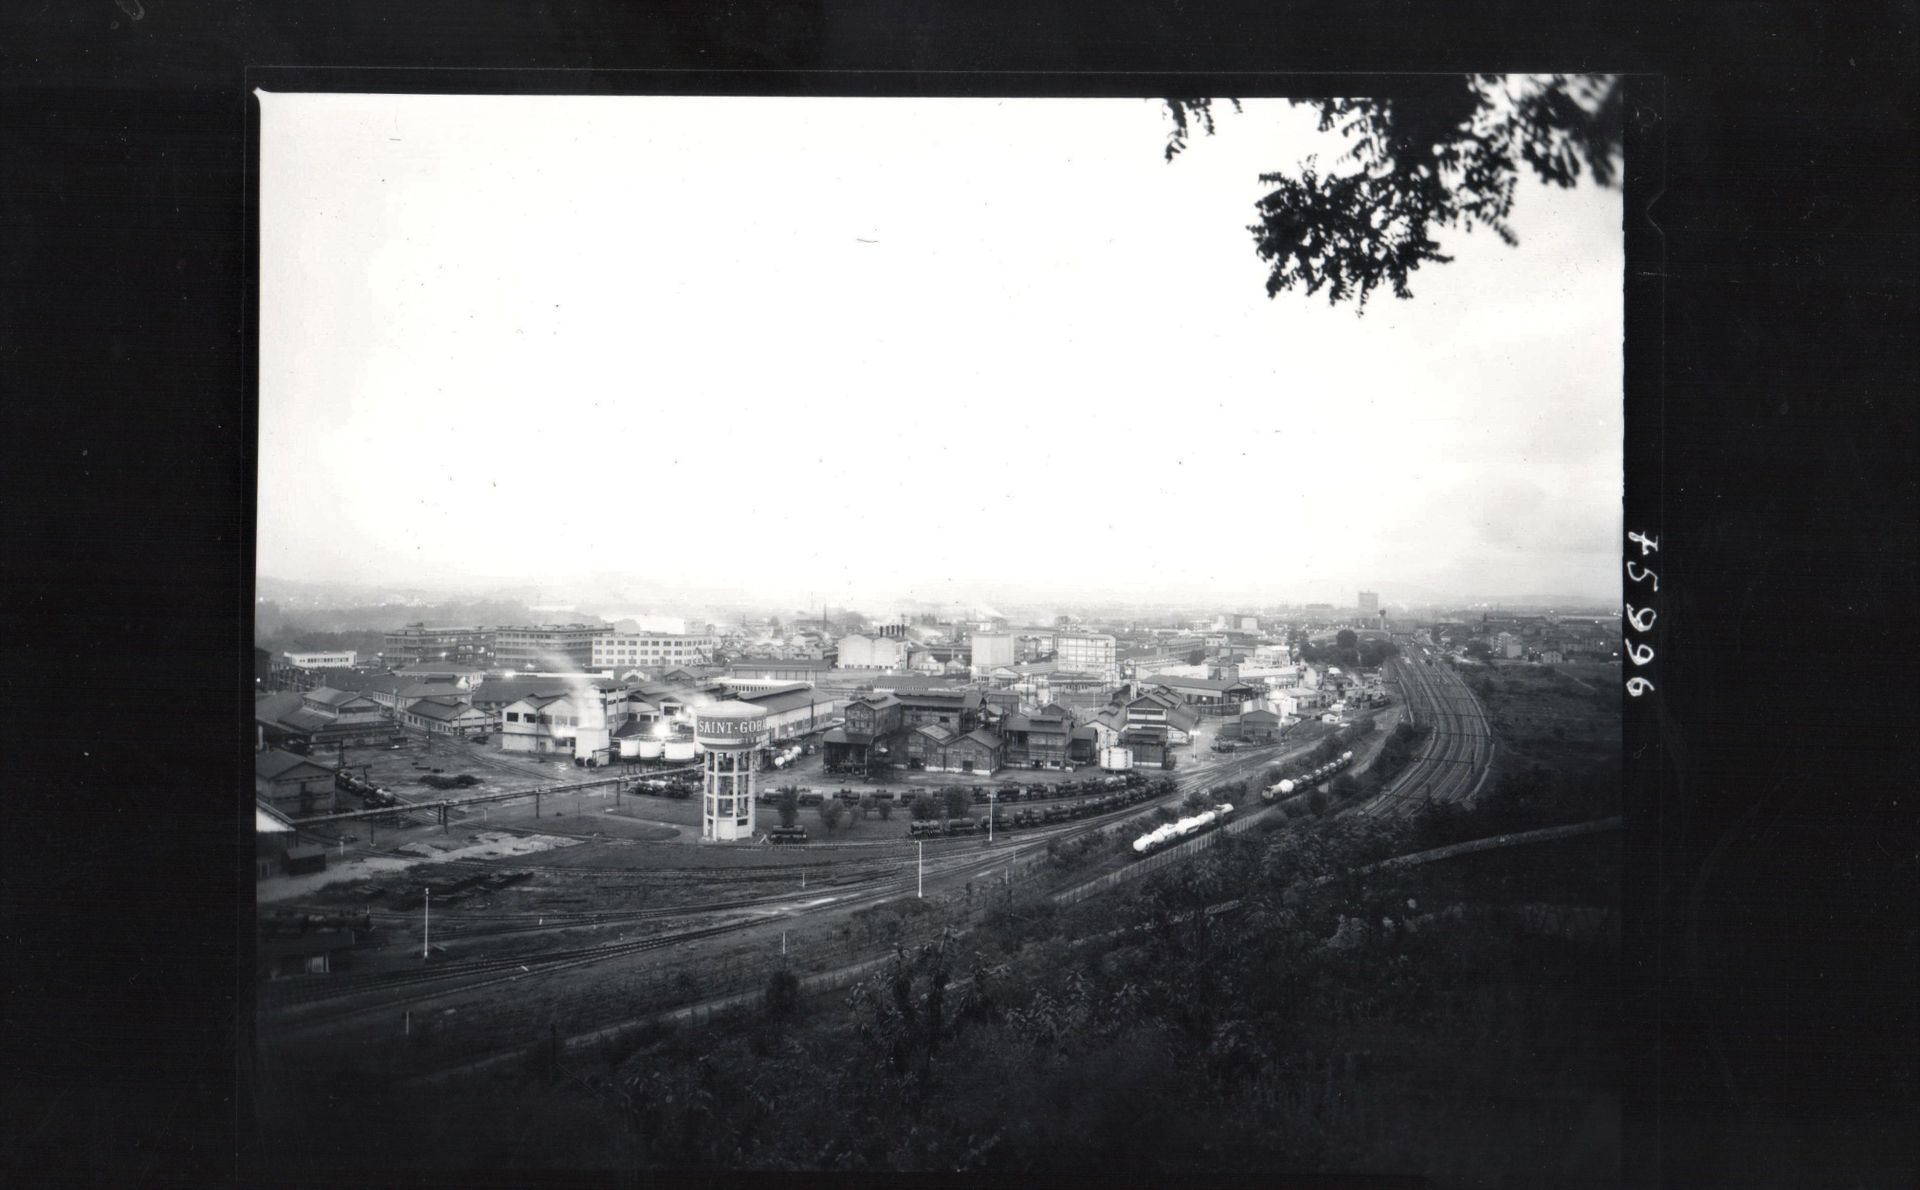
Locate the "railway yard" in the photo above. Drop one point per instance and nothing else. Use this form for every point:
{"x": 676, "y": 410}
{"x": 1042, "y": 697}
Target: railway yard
{"x": 534, "y": 899}
{"x": 607, "y": 923}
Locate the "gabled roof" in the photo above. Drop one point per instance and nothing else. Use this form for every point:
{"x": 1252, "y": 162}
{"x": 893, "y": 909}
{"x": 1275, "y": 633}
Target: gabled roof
{"x": 1030, "y": 724}
{"x": 1086, "y": 733}
{"x": 505, "y": 690}
{"x": 432, "y": 690}
{"x": 327, "y": 696}
{"x": 271, "y": 708}
{"x": 341, "y": 677}
{"x": 1261, "y": 715}
{"x": 442, "y": 711}
{"x": 1154, "y": 697}
{"x": 967, "y": 700}
{"x": 269, "y": 821}
{"x": 981, "y": 736}
{"x": 632, "y": 728}
{"x": 879, "y": 702}
{"x": 780, "y": 701}
{"x": 934, "y": 732}
{"x": 306, "y": 720}
{"x": 1215, "y": 685}
{"x": 276, "y": 763}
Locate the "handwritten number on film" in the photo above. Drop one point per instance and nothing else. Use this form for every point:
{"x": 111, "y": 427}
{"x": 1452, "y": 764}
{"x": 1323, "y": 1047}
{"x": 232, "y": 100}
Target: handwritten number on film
{"x": 1641, "y": 619}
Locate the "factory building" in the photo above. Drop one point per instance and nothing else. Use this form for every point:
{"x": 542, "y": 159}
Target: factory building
{"x": 1094, "y": 653}
{"x": 990, "y": 650}
{"x": 1041, "y": 740}
{"x": 860, "y": 651}
{"x": 547, "y": 647}
{"x": 651, "y": 649}
{"x": 417, "y": 644}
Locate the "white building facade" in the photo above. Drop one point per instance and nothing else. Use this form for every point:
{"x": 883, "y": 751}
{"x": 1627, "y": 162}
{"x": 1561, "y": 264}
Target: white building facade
{"x": 656, "y": 649}
{"x": 1087, "y": 652}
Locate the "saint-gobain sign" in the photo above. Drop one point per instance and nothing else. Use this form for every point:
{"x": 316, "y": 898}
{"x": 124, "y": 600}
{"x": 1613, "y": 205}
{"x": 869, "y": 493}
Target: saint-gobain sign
{"x": 729, "y": 730}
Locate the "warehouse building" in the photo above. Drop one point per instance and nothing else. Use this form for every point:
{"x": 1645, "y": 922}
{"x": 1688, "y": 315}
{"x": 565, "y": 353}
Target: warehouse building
{"x": 792, "y": 710}
{"x": 293, "y": 784}
{"x": 1209, "y": 696}
{"x": 452, "y": 717}
{"x": 1041, "y": 740}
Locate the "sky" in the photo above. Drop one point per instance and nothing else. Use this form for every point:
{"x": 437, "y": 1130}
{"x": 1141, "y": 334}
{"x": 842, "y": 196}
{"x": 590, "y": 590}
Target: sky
{"x": 867, "y": 350}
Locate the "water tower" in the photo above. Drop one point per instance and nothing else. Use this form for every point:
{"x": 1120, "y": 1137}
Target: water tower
{"x": 729, "y": 732}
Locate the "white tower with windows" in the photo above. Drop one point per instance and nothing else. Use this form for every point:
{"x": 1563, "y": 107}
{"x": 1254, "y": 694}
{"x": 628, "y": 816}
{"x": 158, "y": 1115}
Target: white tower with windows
{"x": 730, "y": 733}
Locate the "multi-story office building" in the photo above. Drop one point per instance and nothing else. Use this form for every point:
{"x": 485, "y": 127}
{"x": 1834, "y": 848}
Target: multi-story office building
{"x": 660, "y": 649}
{"x": 328, "y": 660}
{"x": 1087, "y": 652}
{"x": 1370, "y": 605}
{"x": 549, "y": 648}
{"x": 417, "y": 643}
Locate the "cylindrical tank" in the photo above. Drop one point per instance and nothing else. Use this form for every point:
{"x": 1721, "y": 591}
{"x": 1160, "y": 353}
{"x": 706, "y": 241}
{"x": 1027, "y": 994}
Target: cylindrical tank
{"x": 629, "y": 749}
{"x": 1116, "y": 759}
{"x": 1286, "y": 786}
{"x": 650, "y": 749}
{"x": 679, "y": 749}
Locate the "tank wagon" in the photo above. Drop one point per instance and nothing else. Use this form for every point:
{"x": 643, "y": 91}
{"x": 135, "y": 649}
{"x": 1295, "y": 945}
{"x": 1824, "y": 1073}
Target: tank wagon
{"x": 1306, "y": 781}
{"x": 1162, "y": 837}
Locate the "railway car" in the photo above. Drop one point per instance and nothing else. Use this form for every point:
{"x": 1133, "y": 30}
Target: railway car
{"x": 1172, "y": 833}
{"x": 787, "y": 834}
{"x": 1289, "y": 786}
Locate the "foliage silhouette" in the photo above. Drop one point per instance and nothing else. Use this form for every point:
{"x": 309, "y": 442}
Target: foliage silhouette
{"x": 1445, "y": 152}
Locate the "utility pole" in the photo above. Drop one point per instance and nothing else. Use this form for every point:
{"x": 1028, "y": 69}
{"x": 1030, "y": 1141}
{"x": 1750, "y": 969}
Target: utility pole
{"x": 991, "y": 795}
{"x": 920, "y": 878}
{"x": 426, "y": 924}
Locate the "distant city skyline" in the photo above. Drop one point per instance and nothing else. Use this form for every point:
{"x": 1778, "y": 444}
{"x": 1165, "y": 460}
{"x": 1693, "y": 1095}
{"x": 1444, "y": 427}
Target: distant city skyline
{"x": 686, "y": 351}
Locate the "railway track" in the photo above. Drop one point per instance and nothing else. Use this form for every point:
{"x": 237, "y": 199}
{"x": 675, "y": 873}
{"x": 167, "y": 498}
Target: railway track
{"x": 472, "y": 973}
{"x": 943, "y": 858}
{"x": 1458, "y": 750}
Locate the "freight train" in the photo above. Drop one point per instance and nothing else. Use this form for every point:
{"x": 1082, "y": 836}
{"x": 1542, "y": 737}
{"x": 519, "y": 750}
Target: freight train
{"x": 1162, "y": 837}
{"x": 1305, "y": 781}
{"x": 1098, "y": 796}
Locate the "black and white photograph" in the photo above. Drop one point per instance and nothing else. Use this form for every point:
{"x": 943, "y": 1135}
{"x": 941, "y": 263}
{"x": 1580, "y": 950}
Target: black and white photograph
{"x": 851, "y": 593}
{"x": 941, "y": 634}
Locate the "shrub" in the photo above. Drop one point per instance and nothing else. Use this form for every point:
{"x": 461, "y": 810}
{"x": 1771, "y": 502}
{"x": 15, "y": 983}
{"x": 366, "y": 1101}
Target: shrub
{"x": 783, "y": 995}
